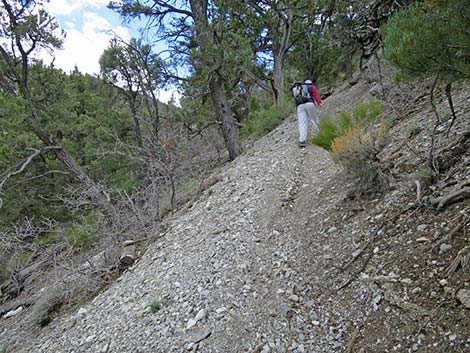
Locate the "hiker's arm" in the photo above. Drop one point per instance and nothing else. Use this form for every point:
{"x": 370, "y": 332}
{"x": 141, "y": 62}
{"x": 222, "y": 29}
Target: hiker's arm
{"x": 317, "y": 97}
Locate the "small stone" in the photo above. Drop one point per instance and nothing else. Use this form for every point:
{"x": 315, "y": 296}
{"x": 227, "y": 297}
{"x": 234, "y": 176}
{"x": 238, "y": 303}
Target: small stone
{"x": 416, "y": 290}
{"x": 443, "y": 282}
{"x": 82, "y": 311}
{"x": 200, "y": 336}
{"x": 286, "y": 310}
{"x": 452, "y": 338}
{"x": 13, "y": 312}
{"x": 191, "y": 323}
{"x": 294, "y": 298}
{"x": 422, "y": 240}
{"x": 463, "y": 296}
{"x": 357, "y": 253}
{"x": 332, "y": 230}
{"x": 444, "y": 248}
{"x": 201, "y": 315}
{"x": 315, "y": 323}
{"x": 422, "y": 228}
{"x": 415, "y": 347}
{"x": 220, "y": 310}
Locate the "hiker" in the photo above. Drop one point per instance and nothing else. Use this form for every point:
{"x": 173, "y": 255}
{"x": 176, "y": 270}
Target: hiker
{"x": 306, "y": 97}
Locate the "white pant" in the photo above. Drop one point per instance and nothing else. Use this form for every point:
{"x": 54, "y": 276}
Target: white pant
{"x": 306, "y": 113}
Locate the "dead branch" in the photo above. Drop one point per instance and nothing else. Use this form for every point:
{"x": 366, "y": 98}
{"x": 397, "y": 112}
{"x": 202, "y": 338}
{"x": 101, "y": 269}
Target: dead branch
{"x": 441, "y": 202}
{"x": 461, "y": 260}
{"x": 432, "y": 161}
{"x": 451, "y": 104}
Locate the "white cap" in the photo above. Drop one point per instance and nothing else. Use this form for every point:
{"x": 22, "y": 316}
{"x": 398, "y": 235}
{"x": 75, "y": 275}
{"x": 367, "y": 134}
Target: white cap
{"x": 308, "y": 82}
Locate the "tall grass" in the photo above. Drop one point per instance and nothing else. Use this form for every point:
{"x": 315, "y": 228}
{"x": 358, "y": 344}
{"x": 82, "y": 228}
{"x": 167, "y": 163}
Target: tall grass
{"x": 361, "y": 116}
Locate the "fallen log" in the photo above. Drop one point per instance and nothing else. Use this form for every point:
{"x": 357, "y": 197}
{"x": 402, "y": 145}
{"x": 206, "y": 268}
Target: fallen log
{"x": 127, "y": 258}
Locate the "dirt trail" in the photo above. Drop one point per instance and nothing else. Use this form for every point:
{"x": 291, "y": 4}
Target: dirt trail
{"x": 274, "y": 258}
{"x": 230, "y": 273}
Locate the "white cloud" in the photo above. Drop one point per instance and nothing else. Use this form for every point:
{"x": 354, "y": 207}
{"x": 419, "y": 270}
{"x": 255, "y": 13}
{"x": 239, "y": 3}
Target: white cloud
{"x": 67, "y": 7}
{"x": 83, "y": 48}
{"x": 166, "y": 96}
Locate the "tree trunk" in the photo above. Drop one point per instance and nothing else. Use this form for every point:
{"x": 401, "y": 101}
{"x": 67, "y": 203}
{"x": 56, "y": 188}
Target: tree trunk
{"x": 227, "y": 118}
{"x": 218, "y": 93}
{"x": 278, "y": 78}
{"x": 95, "y": 191}
{"x": 137, "y": 130}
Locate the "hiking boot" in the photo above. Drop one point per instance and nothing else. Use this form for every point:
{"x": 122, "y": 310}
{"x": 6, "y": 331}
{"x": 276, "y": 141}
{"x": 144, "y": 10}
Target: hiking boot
{"x": 302, "y": 144}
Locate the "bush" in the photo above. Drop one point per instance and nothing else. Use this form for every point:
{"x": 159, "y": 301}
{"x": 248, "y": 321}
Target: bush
{"x": 362, "y": 115}
{"x": 429, "y": 38}
{"x": 264, "y": 120}
{"x": 155, "y": 305}
{"x": 356, "y": 152}
{"x": 46, "y": 306}
{"x": 327, "y": 132}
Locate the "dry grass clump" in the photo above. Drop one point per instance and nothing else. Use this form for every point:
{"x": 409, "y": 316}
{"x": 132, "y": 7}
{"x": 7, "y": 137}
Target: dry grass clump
{"x": 356, "y": 151}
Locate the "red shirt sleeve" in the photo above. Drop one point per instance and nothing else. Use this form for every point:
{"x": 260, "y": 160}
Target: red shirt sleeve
{"x": 316, "y": 95}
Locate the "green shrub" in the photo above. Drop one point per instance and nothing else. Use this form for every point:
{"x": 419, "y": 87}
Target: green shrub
{"x": 327, "y": 132}
{"x": 80, "y": 237}
{"x": 362, "y": 115}
{"x": 46, "y": 306}
{"x": 345, "y": 122}
{"x": 156, "y": 305}
{"x": 264, "y": 120}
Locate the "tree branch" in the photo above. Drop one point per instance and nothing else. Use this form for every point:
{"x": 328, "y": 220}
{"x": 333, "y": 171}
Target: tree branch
{"x": 24, "y": 164}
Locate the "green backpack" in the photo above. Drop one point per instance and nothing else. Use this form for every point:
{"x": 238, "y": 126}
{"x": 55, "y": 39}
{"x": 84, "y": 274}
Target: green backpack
{"x": 302, "y": 93}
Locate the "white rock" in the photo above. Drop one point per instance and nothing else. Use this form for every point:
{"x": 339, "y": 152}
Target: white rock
{"x": 422, "y": 228}
{"x": 463, "y": 295}
{"x": 443, "y": 282}
{"x": 201, "y": 315}
{"x": 444, "y": 248}
{"x": 13, "y": 312}
{"x": 332, "y": 230}
{"x": 191, "y": 323}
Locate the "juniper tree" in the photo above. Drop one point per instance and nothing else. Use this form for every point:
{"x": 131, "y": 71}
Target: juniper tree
{"x": 27, "y": 27}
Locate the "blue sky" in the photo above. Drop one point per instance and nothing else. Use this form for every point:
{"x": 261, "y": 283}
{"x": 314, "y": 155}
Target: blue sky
{"x": 89, "y": 27}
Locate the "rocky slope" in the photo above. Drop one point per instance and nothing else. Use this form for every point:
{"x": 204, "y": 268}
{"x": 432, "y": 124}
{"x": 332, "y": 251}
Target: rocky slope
{"x": 276, "y": 258}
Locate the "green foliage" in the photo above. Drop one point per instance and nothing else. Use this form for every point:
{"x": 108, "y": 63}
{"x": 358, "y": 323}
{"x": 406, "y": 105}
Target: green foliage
{"x": 48, "y": 303}
{"x": 80, "y": 236}
{"x": 327, "y": 132}
{"x": 431, "y": 37}
{"x": 156, "y": 305}
{"x": 362, "y": 115}
{"x": 3, "y": 348}
{"x": 263, "y": 120}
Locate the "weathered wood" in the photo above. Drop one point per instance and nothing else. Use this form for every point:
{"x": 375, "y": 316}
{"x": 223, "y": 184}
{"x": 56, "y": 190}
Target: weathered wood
{"x": 128, "y": 256}
{"x": 453, "y": 197}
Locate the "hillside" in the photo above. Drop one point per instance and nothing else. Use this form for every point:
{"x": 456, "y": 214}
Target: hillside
{"x": 277, "y": 256}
